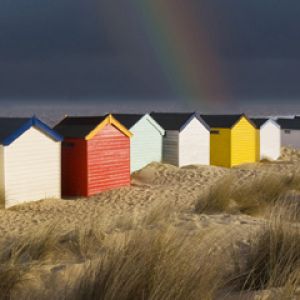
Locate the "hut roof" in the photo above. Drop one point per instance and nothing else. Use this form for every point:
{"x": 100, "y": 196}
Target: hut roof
{"x": 78, "y": 127}
{"x": 12, "y": 128}
{"x": 258, "y": 122}
{"x": 175, "y": 121}
{"x": 87, "y": 127}
{"x": 293, "y": 124}
{"x": 222, "y": 121}
{"x": 128, "y": 120}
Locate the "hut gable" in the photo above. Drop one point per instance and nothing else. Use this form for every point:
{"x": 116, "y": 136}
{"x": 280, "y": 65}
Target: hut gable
{"x": 109, "y": 121}
{"x": 13, "y": 128}
{"x": 262, "y": 122}
{"x": 146, "y": 143}
{"x": 130, "y": 121}
{"x": 147, "y": 118}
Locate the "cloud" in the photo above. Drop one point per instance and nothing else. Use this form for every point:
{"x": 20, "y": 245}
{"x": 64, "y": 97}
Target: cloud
{"x": 77, "y": 77}
{"x": 99, "y": 49}
{"x": 256, "y": 29}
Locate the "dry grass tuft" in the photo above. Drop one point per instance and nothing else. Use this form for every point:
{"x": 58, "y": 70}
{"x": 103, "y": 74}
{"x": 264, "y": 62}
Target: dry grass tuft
{"x": 149, "y": 262}
{"x": 273, "y": 257}
{"x": 252, "y": 196}
{"x": 11, "y": 275}
{"x": 218, "y": 198}
{"x": 152, "y": 262}
{"x": 165, "y": 264}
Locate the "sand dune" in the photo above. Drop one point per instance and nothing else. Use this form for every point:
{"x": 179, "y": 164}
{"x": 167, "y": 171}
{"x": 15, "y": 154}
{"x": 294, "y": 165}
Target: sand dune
{"x": 161, "y": 195}
{"x": 178, "y": 188}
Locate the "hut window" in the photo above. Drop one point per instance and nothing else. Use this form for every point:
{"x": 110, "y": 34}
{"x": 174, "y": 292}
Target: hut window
{"x": 287, "y": 131}
{"x": 68, "y": 145}
{"x": 215, "y": 132}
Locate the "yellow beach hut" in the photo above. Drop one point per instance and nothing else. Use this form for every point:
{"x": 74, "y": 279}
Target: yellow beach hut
{"x": 233, "y": 140}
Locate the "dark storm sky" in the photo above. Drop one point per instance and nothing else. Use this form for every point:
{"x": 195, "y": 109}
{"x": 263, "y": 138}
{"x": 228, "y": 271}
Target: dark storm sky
{"x": 96, "y": 50}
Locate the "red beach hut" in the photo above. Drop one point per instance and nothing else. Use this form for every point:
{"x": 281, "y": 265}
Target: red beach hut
{"x": 95, "y": 155}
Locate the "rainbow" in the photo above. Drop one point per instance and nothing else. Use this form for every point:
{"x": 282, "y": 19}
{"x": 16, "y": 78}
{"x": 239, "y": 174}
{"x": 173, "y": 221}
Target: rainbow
{"x": 183, "y": 49}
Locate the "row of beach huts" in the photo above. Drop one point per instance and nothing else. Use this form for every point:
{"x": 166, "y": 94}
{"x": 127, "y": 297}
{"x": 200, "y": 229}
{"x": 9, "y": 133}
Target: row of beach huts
{"x": 83, "y": 156}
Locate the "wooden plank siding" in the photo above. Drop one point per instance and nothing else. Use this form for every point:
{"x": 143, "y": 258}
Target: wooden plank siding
{"x": 108, "y": 160}
{"x": 32, "y": 168}
{"x": 171, "y": 147}
{"x": 146, "y": 144}
{"x": 194, "y": 144}
{"x": 243, "y": 143}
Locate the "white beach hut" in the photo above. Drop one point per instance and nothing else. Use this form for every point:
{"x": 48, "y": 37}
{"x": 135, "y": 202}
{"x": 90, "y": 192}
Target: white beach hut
{"x": 147, "y": 139}
{"x": 269, "y": 134}
{"x": 290, "y": 132}
{"x": 30, "y": 158}
{"x": 186, "y": 140}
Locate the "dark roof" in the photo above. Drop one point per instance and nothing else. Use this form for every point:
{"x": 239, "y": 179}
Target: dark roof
{"x": 258, "y": 122}
{"x": 221, "y": 121}
{"x": 12, "y": 128}
{"x": 8, "y": 126}
{"x": 174, "y": 121}
{"x": 289, "y": 123}
{"x": 128, "y": 120}
{"x": 78, "y": 127}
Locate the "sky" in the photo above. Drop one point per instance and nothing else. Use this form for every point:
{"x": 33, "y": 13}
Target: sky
{"x": 210, "y": 55}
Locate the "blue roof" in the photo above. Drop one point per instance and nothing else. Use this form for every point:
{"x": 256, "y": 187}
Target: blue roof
{"x": 12, "y": 128}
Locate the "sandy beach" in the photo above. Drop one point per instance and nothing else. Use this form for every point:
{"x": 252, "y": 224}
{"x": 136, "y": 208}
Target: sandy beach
{"x": 162, "y": 197}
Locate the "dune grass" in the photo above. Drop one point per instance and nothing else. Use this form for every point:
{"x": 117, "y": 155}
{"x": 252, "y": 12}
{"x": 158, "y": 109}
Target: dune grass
{"x": 252, "y": 196}
{"x": 272, "y": 260}
{"x": 10, "y": 276}
{"x": 153, "y": 261}
{"x": 150, "y": 265}
{"x": 151, "y": 255}
{"x": 161, "y": 263}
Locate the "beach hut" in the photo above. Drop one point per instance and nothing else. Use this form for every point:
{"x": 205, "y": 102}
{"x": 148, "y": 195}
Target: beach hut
{"x": 233, "y": 140}
{"x": 95, "y": 155}
{"x": 146, "y": 142}
{"x": 29, "y": 161}
{"x": 290, "y": 132}
{"x": 269, "y": 134}
{"x": 186, "y": 139}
